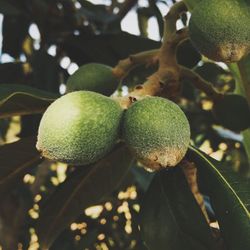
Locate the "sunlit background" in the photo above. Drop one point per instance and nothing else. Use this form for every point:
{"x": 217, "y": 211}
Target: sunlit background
{"x": 120, "y": 213}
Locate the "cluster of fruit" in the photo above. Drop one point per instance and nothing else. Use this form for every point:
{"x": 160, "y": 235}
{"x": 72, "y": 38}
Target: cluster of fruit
{"x": 83, "y": 126}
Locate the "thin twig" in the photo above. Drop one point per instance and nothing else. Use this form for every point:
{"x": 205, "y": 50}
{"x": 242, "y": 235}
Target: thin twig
{"x": 126, "y": 7}
{"x": 200, "y": 83}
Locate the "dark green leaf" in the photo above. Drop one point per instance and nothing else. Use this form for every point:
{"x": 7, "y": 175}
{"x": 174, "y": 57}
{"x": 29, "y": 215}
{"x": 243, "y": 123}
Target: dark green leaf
{"x": 45, "y": 71}
{"x": 219, "y": 77}
{"x": 138, "y": 75}
{"x": 16, "y": 158}
{"x": 187, "y": 55}
{"x": 210, "y": 71}
{"x": 170, "y": 217}
{"x": 143, "y": 178}
{"x": 15, "y": 30}
{"x": 107, "y": 48}
{"x": 229, "y": 196}
{"x": 8, "y": 8}
{"x": 88, "y": 240}
{"x": 96, "y": 12}
{"x": 66, "y": 241}
{"x": 45, "y": 76}
{"x": 12, "y": 73}
{"x": 29, "y": 125}
{"x": 20, "y": 100}
{"x": 80, "y": 191}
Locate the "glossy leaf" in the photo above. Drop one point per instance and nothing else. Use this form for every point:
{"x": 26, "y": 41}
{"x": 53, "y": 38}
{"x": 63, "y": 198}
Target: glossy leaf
{"x": 170, "y": 217}
{"x": 15, "y": 159}
{"x": 86, "y": 187}
{"x": 21, "y": 100}
{"x": 230, "y": 197}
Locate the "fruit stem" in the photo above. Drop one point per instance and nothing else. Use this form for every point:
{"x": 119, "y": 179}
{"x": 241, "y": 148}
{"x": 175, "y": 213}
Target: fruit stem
{"x": 200, "y": 83}
{"x": 190, "y": 171}
{"x": 166, "y": 79}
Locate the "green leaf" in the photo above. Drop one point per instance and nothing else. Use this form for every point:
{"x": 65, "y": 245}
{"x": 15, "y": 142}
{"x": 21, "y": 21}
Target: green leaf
{"x": 108, "y": 48}
{"x": 12, "y": 73}
{"x": 86, "y": 187}
{"x": 170, "y": 217}
{"x": 21, "y": 100}
{"x": 88, "y": 240}
{"x": 46, "y": 75}
{"x": 14, "y": 31}
{"x": 210, "y": 72}
{"x": 229, "y": 196}
{"x": 187, "y": 55}
{"x": 96, "y": 12}
{"x": 16, "y": 158}
{"x": 241, "y": 71}
{"x": 6, "y": 8}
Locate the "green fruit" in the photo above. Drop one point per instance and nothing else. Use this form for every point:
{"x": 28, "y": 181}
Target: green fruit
{"x": 157, "y": 131}
{"x": 93, "y": 77}
{"x": 79, "y": 128}
{"x": 220, "y": 30}
{"x": 232, "y": 112}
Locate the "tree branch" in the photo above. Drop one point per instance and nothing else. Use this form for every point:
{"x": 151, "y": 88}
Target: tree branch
{"x": 190, "y": 172}
{"x": 171, "y": 18}
{"x": 124, "y": 66}
{"x": 200, "y": 83}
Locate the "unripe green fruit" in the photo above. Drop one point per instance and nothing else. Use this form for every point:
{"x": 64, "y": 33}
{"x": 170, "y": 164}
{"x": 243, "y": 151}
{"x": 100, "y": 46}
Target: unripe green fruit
{"x": 232, "y": 112}
{"x": 93, "y": 77}
{"x": 79, "y": 128}
{"x": 157, "y": 131}
{"x": 220, "y": 30}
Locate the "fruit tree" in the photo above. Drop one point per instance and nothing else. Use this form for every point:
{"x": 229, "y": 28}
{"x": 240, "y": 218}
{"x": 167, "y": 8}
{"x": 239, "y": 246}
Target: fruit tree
{"x": 110, "y": 140}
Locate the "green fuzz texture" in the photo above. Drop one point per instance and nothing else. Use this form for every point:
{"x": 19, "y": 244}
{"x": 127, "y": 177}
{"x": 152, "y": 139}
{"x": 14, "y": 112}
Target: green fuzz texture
{"x": 157, "y": 131}
{"x": 220, "y": 30}
{"x": 232, "y": 112}
{"x": 93, "y": 77}
{"x": 79, "y": 128}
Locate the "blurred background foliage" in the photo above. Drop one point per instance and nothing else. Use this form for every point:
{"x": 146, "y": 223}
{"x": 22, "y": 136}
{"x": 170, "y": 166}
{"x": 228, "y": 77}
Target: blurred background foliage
{"x": 45, "y": 41}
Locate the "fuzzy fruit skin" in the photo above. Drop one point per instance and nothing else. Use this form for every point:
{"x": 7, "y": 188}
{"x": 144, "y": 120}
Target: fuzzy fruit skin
{"x": 232, "y": 112}
{"x": 79, "y": 128}
{"x": 93, "y": 77}
{"x": 157, "y": 131}
{"x": 220, "y": 30}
